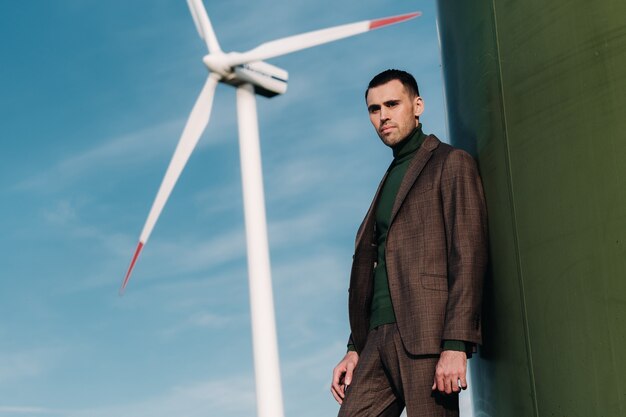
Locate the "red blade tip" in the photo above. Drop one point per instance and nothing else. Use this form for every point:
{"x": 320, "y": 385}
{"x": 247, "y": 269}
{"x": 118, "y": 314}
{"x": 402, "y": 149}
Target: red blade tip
{"x": 375, "y": 24}
{"x": 130, "y": 268}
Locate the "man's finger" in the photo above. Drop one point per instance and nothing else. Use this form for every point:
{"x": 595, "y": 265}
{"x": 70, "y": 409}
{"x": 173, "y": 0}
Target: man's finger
{"x": 336, "y": 395}
{"x": 337, "y": 375}
{"x": 463, "y": 382}
{"x": 440, "y": 384}
{"x": 448, "y": 386}
{"x": 434, "y": 384}
{"x": 454, "y": 384}
{"x": 337, "y": 391}
{"x": 347, "y": 379}
{"x": 336, "y": 388}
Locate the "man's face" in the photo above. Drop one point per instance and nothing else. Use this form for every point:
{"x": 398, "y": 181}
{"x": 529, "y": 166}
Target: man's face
{"x": 393, "y": 111}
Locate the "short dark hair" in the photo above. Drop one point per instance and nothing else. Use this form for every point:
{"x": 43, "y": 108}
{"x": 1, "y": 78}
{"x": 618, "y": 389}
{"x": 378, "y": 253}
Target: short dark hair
{"x": 407, "y": 80}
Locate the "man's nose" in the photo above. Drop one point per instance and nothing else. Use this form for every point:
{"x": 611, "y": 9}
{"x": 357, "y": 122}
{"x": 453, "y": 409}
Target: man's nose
{"x": 384, "y": 114}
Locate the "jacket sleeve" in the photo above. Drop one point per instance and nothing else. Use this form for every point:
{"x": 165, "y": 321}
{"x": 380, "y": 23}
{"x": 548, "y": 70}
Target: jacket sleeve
{"x": 350, "y": 345}
{"x": 465, "y": 221}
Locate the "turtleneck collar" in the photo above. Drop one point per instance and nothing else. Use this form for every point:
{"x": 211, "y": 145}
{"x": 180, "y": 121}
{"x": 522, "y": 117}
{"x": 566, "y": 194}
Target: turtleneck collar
{"x": 410, "y": 144}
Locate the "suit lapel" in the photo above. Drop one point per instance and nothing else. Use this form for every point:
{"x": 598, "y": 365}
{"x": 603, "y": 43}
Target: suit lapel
{"x": 370, "y": 211}
{"x": 416, "y": 166}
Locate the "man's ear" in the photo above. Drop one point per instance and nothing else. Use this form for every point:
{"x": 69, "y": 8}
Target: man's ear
{"x": 418, "y": 106}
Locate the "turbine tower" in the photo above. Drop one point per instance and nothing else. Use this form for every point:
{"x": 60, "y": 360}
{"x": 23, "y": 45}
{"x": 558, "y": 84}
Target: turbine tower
{"x": 249, "y": 73}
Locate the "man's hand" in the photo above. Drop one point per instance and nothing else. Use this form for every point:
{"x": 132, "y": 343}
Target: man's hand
{"x": 342, "y": 375}
{"x": 449, "y": 371}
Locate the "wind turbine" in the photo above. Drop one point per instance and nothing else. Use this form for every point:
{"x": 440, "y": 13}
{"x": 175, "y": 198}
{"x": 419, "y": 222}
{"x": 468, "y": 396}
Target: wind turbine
{"x": 249, "y": 73}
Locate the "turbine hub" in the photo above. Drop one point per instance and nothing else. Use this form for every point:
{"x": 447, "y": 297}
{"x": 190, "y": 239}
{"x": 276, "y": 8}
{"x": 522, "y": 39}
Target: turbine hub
{"x": 217, "y": 63}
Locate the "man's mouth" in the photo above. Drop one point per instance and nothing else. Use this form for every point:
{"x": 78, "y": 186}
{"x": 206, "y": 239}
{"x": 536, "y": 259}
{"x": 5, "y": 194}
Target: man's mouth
{"x": 385, "y": 128}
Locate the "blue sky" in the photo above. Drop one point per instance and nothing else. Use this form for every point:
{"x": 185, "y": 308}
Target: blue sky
{"x": 94, "y": 96}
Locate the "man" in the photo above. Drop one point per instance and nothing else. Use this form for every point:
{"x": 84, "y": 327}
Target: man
{"x": 416, "y": 281}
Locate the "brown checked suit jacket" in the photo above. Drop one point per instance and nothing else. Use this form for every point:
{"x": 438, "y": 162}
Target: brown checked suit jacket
{"x": 436, "y": 253}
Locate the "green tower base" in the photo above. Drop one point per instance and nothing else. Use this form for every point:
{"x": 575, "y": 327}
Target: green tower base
{"x": 536, "y": 90}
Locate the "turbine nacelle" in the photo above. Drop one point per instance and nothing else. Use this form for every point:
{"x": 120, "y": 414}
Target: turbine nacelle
{"x": 268, "y": 80}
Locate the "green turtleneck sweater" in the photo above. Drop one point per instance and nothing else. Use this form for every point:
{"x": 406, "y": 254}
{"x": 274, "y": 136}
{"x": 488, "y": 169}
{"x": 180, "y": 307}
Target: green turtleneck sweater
{"x": 403, "y": 152}
{"x": 381, "y": 307}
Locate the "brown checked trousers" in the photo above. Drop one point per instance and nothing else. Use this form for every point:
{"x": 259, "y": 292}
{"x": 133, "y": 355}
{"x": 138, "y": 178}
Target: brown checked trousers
{"x": 436, "y": 255}
{"x": 386, "y": 371}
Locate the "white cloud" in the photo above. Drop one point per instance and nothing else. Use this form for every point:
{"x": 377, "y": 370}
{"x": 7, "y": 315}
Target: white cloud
{"x": 25, "y": 410}
{"x": 193, "y": 254}
{"x": 183, "y": 254}
{"x": 313, "y": 273}
{"x": 219, "y": 198}
{"x": 301, "y": 228}
{"x": 27, "y": 363}
{"x": 61, "y": 213}
{"x": 202, "y": 319}
{"x": 232, "y": 395}
{"x": 124, "y": 152}
{"x": 65, "y": 215}
{"x": 316, "y": 364}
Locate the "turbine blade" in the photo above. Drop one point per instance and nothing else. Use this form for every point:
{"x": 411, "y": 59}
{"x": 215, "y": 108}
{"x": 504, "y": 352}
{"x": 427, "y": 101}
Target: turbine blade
{"x": 197, "y": 122}
{"x": 318, "y": 37}
{"x": 203, "y": 24}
